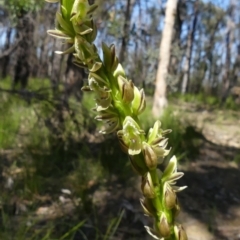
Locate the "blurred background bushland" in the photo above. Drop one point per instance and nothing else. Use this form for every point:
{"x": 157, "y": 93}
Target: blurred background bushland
{"x": 60, "y": 178}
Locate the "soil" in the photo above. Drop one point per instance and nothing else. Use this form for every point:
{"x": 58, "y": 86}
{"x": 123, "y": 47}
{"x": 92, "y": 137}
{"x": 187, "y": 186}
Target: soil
{"x": 211, "y": 203}
{"x": 210, "y": 206}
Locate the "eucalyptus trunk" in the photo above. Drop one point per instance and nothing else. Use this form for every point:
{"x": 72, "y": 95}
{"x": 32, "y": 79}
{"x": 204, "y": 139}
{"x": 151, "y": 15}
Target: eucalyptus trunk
{"x": 160, "y": 100}
{"x": 190, "y": 41}
{"x": 226, "y": 83}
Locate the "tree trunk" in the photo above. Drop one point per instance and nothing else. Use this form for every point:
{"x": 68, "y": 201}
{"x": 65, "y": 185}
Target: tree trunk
{"x": 73, "y": 79}
{"x": 187, "y": 67}
{"x": 160, "y": 101}
{"x": 56, "y": 65}
{"x": 6, "y": 59}
{"x": 22, "y": 68}
{"x": 226, "y": 84}
{"x": 210, "y": 55}
{"x": 126, "y": 27}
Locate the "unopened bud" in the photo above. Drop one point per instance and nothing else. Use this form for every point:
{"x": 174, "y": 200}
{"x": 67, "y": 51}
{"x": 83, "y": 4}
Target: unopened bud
{"x": 115, "y": 62}
{"x": 107, "y": 56}
{"x": 148, "y": 207}
{"x": 176, "y": 209}
{"x": 139, "y": 170}
{"x": 163, "y": 226}
{"x": 126, "y": 89}
{"x": 92, "y": 36}
{"x": 150, "y": 156}
{"x": 147, "y": 186}
{"x": 139, "y": 102}
{"x": 152, "y": 232}
{"x": 170, "y": 197}
{"x": 119, "y": 70}
{"x": 123, "y": 146}
{"x": 180, "y": 233}
{"x": 96, "y": 66}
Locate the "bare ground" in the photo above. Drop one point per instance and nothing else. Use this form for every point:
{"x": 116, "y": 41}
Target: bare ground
{"x": 211, "y": 203}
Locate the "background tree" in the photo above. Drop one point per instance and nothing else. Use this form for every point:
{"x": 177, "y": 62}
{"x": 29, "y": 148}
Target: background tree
{"x": 160, "y": 101}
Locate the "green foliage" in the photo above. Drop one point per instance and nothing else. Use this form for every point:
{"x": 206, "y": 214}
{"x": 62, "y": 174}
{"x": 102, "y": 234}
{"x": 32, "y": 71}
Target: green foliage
{"x": 204, "y": 100}
{"x": 17, "y": 8}
{"x": 231, "y": 104}
{"x": 49, "y": 160}
{"x": 28, "y": 230}
{"x": 8, "y": 122}
{"x": 11, "y": 117}
{"x": 237, "y": 158}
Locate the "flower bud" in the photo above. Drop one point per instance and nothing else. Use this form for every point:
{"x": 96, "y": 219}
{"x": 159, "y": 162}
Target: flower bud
{"x": 147, "y": 186}
{"x": 139, "y": 101}
{"x": 169, "y": 196}
{"x": 126, "y": 89}
{"x": 107, "y": 57}
{"x": 176, "y": 209}
{"x": 119, "y": 70}
{"x": 123, "y": 146}
{"x": 163, "y": 227}
{"x": 92, "y": 35}
{"x": 153, "y": 233}
{"x": 180, "y": 233}
{"x": 170, "y": 169}
{"x": 115, "y": 62}
{"x": 150, "y": 156}
{"x": 138, "y": 169}
{"x": 148, "y": 207}
{"x": 161, "y": 142}
{"x": 81, "y": 10}
{"x": 96, "y": 66}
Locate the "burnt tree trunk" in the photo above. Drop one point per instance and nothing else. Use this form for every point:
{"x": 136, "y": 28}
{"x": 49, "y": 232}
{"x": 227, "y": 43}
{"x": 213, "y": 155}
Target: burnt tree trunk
{"x": 73, "y": 79}
{"x": 126, "y": 27}
{"x": 22, "y": 69}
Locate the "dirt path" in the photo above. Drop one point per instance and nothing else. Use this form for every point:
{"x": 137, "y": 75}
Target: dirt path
{"x": 218, "y": 126}
{"x": 211, "y": 204}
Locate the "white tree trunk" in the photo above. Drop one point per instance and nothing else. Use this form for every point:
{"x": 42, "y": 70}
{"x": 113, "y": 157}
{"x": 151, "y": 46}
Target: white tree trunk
{"x": 160, "y": 100}
{"x": 229, "y": 42}
{"x": 186, "y": 68}
{"x": 190, "y": 41}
